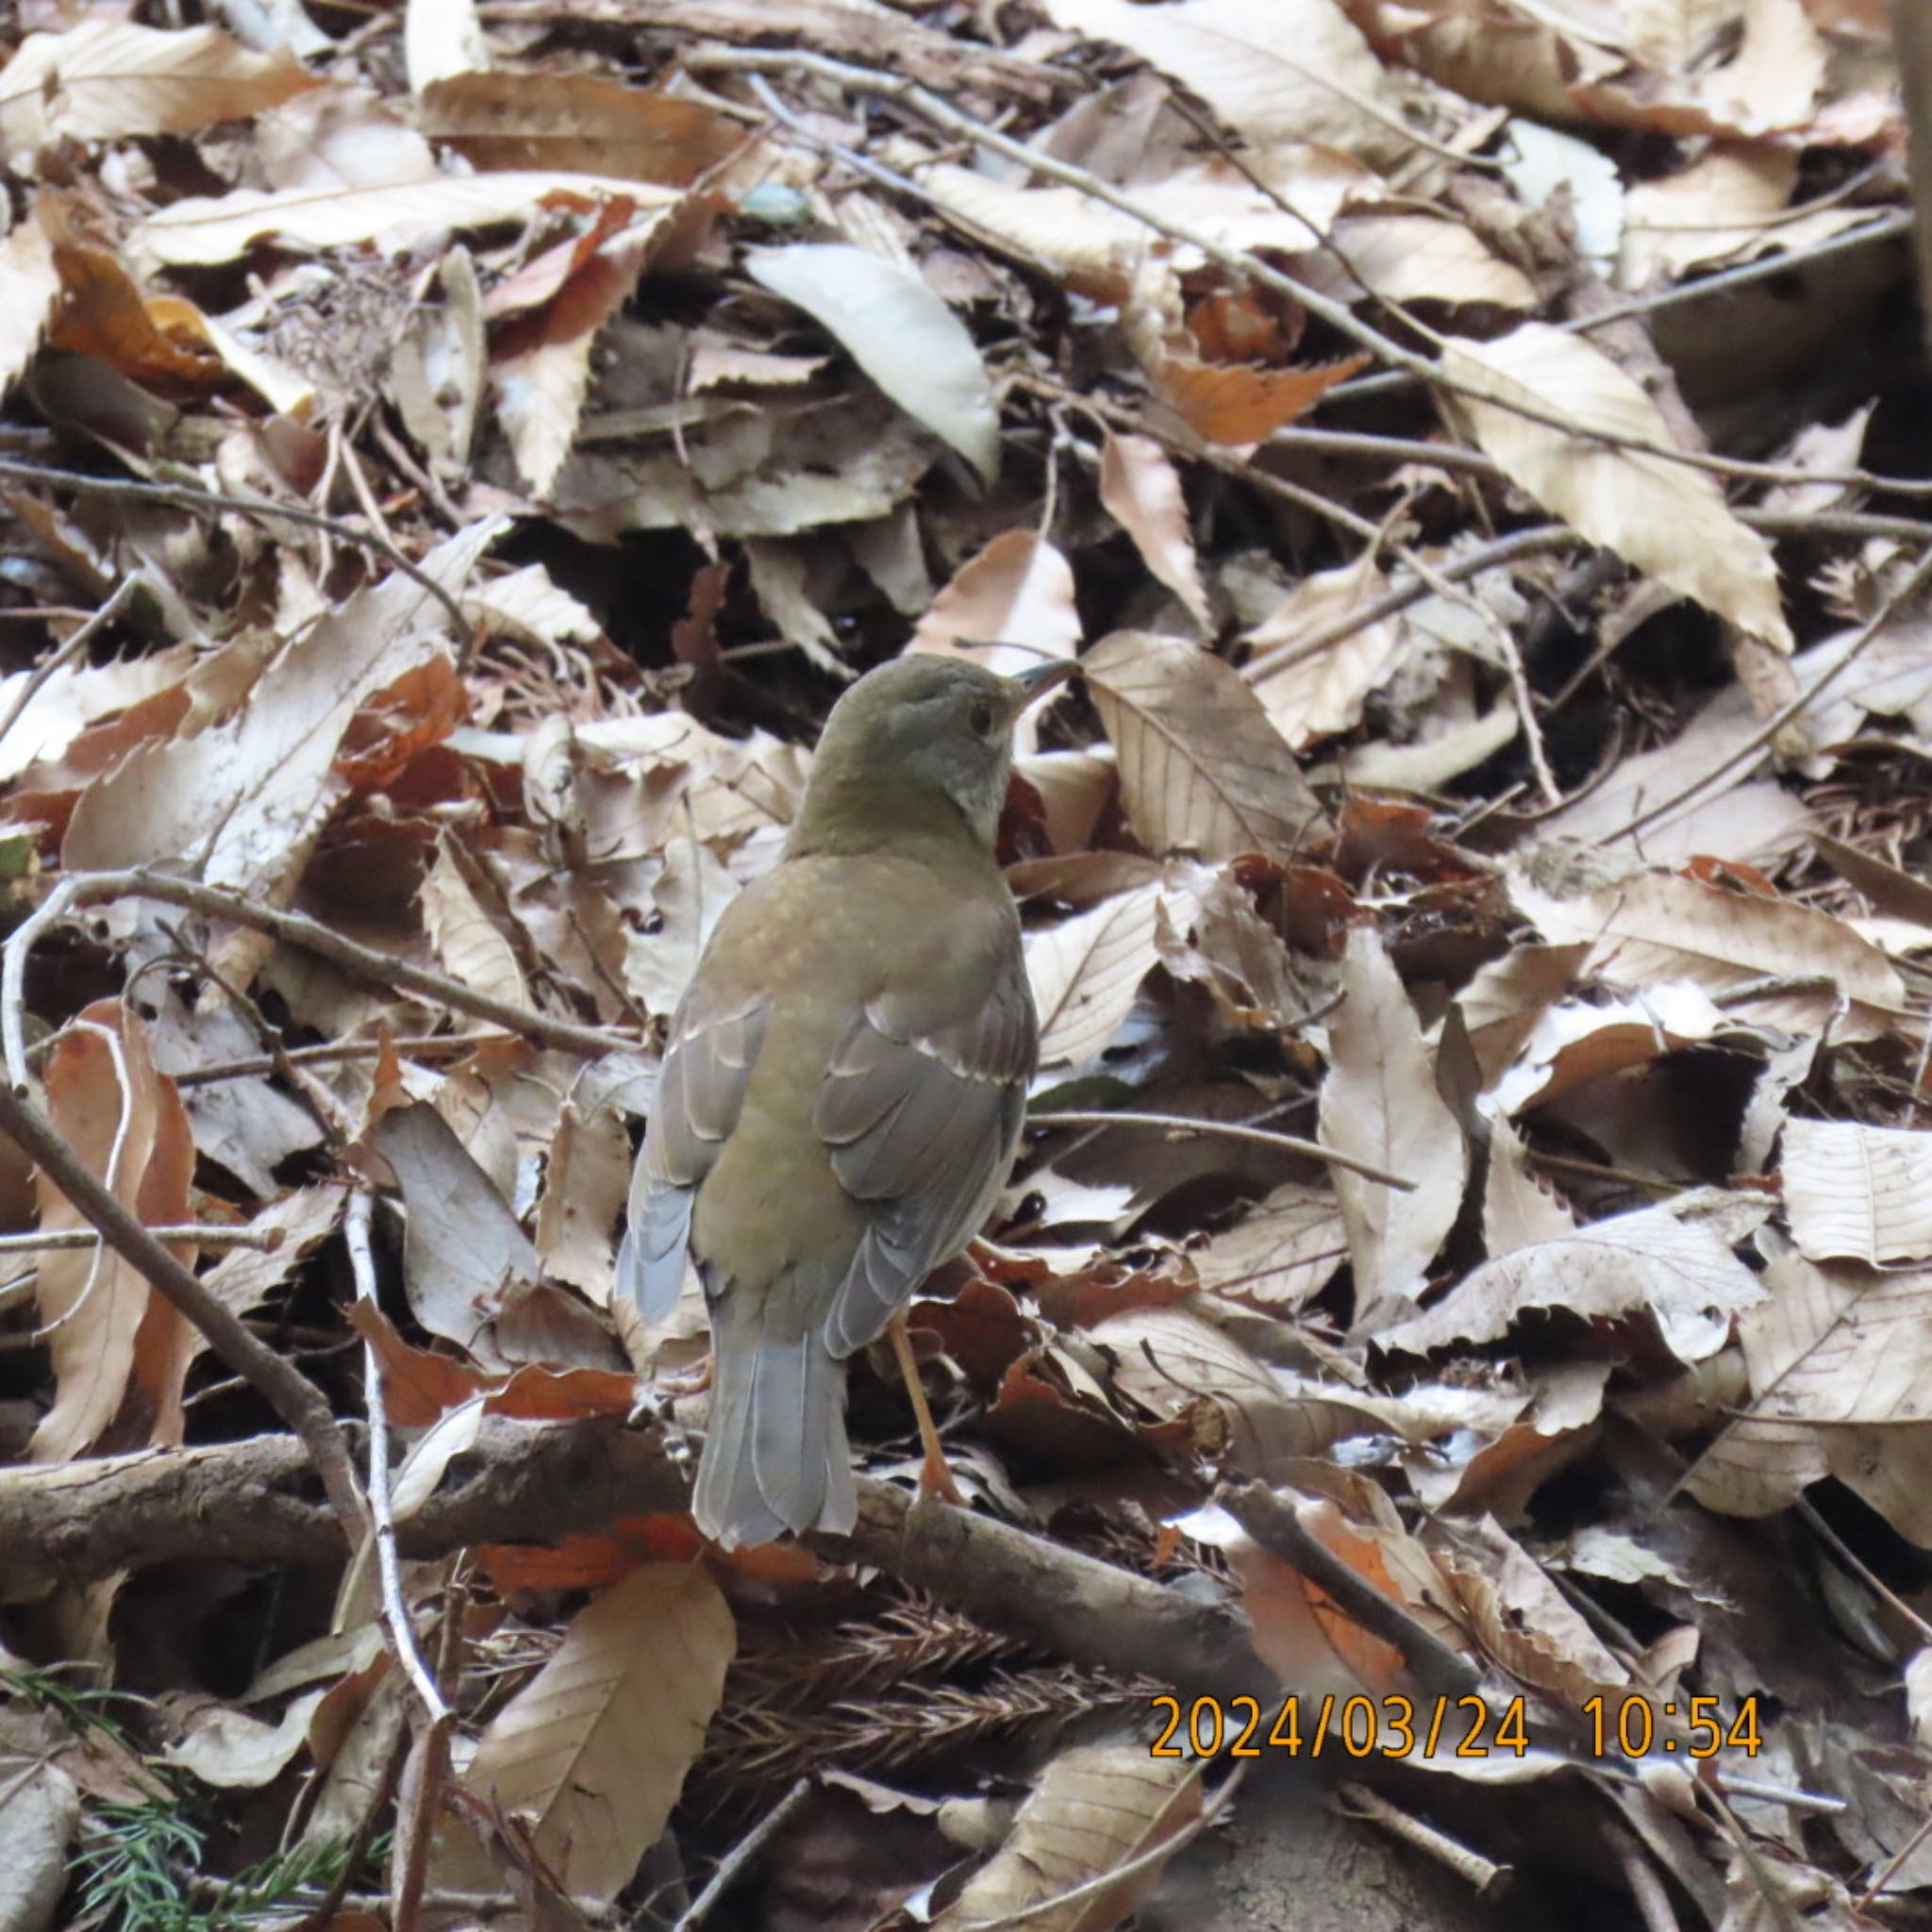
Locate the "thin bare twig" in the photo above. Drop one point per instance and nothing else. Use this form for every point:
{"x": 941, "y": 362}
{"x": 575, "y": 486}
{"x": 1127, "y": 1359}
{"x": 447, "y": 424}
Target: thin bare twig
{"x": 292, "y": 929}
{"x": 1181, "y": 1124}
{"x": 191, "y": 496}
{"x": 395, "y": 1608}
{"x": 1237, "y": 262}
{"x": 740, "y": 1855}
{"x": 203, "y": 1234}
{"x": 75, "y": 647}
{"x": 285, "y": 1388}
{"x": 1753, "y": 747}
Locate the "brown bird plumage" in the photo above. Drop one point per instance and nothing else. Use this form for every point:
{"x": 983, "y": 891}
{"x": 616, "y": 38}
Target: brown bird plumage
{"x": 843, "y": 1084}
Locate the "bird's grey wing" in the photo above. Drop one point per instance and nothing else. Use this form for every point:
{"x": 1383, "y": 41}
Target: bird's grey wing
{"x": 921, "y": 1108}
{"x": 701, "y": 1086}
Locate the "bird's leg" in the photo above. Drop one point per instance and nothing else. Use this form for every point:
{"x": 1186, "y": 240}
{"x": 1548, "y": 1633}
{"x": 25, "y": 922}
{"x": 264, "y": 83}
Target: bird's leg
{"x": 934, "y": 1477}
{"x": 693, "y": 1381}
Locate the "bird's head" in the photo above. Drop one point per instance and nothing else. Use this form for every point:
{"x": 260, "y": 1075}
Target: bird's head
{"x": 913, "y": 743}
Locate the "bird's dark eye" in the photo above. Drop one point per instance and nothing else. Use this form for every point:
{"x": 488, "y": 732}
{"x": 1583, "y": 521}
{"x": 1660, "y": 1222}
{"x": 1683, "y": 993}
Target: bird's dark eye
{"x": 980, "y": 717}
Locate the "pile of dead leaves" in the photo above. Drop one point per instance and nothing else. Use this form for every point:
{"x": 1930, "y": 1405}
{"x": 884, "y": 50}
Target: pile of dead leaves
{"x": 1465, "y": 1307}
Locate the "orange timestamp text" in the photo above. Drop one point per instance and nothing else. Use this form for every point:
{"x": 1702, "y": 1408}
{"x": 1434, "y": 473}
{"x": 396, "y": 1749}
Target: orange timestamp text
{"x": 1466, "y": 1727}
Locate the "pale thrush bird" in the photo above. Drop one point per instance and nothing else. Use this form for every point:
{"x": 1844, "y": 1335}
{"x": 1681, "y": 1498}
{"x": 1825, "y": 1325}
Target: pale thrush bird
{"x": 843, "y": 1085}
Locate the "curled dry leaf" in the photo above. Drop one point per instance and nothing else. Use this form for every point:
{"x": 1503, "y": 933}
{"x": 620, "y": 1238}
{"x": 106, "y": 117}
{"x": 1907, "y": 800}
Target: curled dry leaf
{"x": 248, "y": 797}
{"x": 105, "y": 1327}
{"x": 1572, "y": 1044}
{"x": 464, "y": 1251}
{"x": 1086, "y": 971}
{"x": 107, "y": 79}
{"x": 226, "y": 1747}
{"x": 1297, "y": 71}
{"x": 467, "y": 942}
{"x": 1523, "y": 1621}
{"x": 1859, "y": 1193}
{"x": 1092, "y": 1809}
{"x": 1840, "y": 1384}
{"x": 1661, "y": 928}
{"x": 592, "y": 1751}
{"x": 1660, "y": 516}
{"x": 1143, "y": 494}
{"x": 897, "y": 330}
{"x": 1241, "y": 404}
{"x": 1202, "y": 769}
{"x": 1379, "y": 1103}
{"x": 540, "y": 370}
{"x": 1678, "y": 1270}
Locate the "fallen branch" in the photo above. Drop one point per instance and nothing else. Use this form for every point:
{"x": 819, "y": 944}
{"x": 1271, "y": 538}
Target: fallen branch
{"x": 253, "y": 1503}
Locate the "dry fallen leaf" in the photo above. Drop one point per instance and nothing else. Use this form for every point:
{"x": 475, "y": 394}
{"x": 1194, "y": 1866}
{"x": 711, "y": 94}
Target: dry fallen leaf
{"x": 106, "y": 79}
{"x": 1857, "y": 1193}
{"x": 1678, "y": 1270}
{"x": 1202, "y": 769}
{"x": 1838, "y": 1381}
{"x": 1379, "y": 1103}
{"x": 1086, "y": 971}
{"x": 1141, "y": 491}
{"x": 899, "y": 332}
{"x": 1092, "y": 1810}
{"x": 592, "y": 1751}
{"x": 97, "y": 1312}
{"x": 1665, "y": 518}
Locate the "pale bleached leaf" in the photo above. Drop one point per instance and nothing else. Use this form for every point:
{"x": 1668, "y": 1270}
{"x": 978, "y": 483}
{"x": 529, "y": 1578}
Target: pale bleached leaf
{"x": 33, "y": 287}
{"x": 1411, "y": 257}
{"x": 1859, "y": 1193}
{"x": 1379, "y": 1103}
{"x": 1006, "y": 608}
{"x": 1086, "y": 971}
{"x": 467, "y": 942}
{"x": 899, "y": 332}
{"x": 106, "y": 79}
{"x": 1281, "y": 1253}
{"x": 1840, "y": 1384}
{"x": 1142, "y": 493}
{"x": 1663, "y": 517}
{"x": 400, "y": 215}
{"x": 1092, "y": 1809}
{"x": 1662, "y": 928}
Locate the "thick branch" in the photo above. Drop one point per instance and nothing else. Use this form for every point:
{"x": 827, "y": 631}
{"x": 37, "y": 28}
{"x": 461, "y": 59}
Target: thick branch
{"x": 254, "y": 1502}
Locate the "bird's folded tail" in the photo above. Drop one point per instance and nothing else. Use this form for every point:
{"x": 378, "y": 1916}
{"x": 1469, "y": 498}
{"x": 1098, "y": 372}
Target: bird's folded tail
{"x": 775, "y": 1454}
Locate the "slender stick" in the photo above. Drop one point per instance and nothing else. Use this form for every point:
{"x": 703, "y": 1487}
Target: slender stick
{"x": 395, "y": 1608}
{"x": 740, "y": 1855}
{"x": 285, "y": 1388}
{"x": 203, "y": 1234}
{"x": 195, "y": 497}
{"x": 292, "y": 928}
{"x": 1181, "y": 1124}
{"x": 75, "y": 647}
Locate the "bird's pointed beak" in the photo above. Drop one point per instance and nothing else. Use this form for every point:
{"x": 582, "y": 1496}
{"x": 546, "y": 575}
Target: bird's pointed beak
{"x": 1047, "y": 676}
